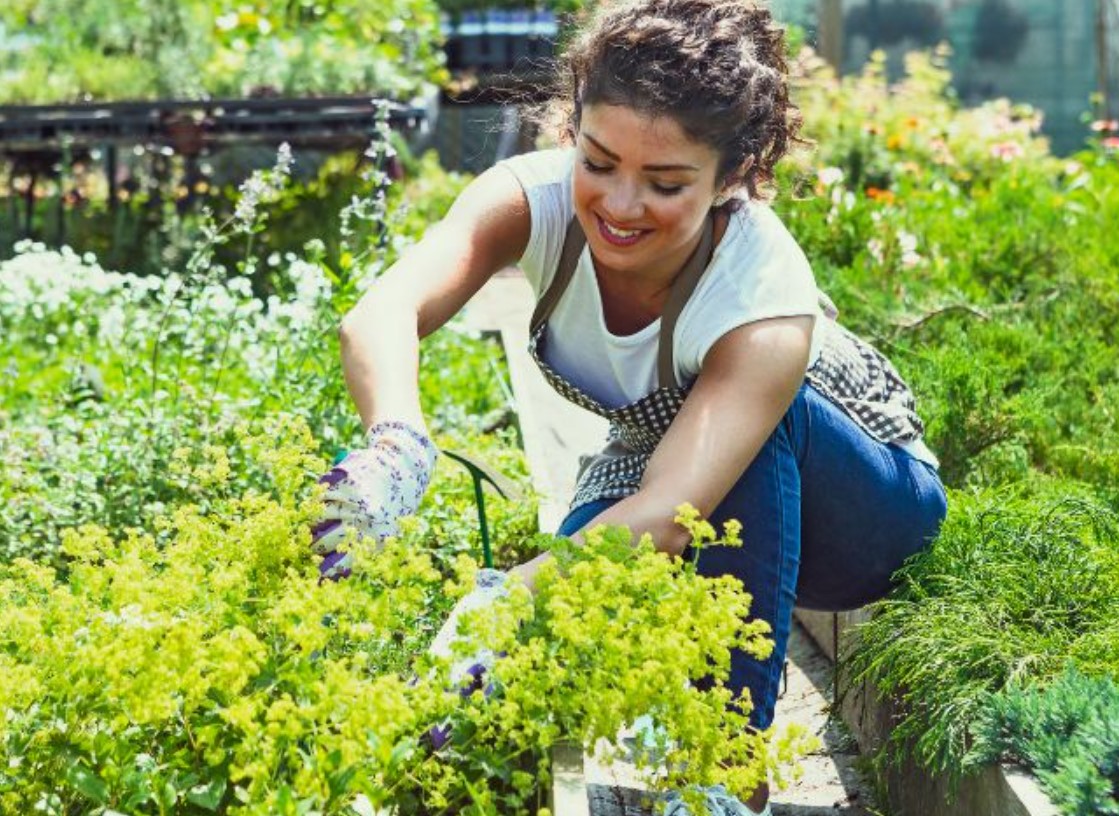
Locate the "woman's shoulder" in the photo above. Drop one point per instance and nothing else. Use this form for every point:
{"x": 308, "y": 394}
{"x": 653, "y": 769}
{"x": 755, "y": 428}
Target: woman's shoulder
{"x": 545, "y": 176}
{"x": 757, "y": 266}
{"x": 756, "y": 227}
{"x": 541, "y": 168}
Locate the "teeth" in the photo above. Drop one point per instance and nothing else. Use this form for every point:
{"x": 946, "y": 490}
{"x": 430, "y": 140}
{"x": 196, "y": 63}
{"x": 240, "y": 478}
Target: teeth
{"x": 619, "y": 232}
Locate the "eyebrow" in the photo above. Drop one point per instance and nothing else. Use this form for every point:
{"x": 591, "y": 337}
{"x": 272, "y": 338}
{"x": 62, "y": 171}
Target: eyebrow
{"x": 655, "y": 167}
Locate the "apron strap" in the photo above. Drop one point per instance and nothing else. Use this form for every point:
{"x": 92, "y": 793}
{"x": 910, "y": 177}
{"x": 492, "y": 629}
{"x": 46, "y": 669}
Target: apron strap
{"x": 682, "y": 289}
{"x": 573, "y": 243}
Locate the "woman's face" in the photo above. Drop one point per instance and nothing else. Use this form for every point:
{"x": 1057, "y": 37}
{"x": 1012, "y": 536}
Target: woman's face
{"x": 642, "y": 189}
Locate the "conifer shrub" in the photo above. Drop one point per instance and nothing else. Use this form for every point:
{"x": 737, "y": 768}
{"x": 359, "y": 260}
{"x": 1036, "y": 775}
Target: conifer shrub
{"x": 1067, "y": 733}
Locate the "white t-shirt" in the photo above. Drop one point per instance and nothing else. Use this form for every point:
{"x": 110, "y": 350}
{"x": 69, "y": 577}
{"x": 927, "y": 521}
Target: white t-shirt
{"x": 757, "y": 271}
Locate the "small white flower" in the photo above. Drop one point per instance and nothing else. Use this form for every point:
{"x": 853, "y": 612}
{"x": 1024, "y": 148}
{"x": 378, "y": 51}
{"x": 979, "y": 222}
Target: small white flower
{"x": 828, "y": 176}
{"x": 284, "y": 160}
{"x": 907, "y": 241}
{"x": 876, "y": 249}
{"x": 909, "y": 255}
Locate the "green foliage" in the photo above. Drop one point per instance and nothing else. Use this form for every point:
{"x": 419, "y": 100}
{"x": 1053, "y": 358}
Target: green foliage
{"x": 983, "y": 265}
{"x": 214, "y": 671}
{"x": 110, "y": 50}
{"x": 1014, "y": 587}
{"x": 986, "y": 272}
{"x": 1067, "y": 733}
{"x": 879, "y": 133}
{"x": 165, "y": 641}
{"x": 986, "y": 268}
{"x": 120, "y": 386}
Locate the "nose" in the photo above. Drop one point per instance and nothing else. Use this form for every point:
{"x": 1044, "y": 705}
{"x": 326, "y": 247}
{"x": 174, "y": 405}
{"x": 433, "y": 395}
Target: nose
{"x": 622, "y": 202}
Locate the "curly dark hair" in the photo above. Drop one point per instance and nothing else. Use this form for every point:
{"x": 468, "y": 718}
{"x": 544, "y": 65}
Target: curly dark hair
{"x": 717, "y": 67}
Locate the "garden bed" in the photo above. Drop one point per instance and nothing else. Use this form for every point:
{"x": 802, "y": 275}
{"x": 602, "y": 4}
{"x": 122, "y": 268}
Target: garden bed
{"x": 999, "y": 790}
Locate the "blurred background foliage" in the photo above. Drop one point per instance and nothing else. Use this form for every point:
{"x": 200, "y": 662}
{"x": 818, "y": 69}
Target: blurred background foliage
{"x": 66, "y": 51}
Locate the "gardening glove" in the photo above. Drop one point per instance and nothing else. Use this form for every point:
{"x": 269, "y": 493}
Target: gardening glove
{"x": 371, "y": 489}
{"x": 468, "y": 672}
{"x": 489, "y": 586}
{"x": 718, "y": 800}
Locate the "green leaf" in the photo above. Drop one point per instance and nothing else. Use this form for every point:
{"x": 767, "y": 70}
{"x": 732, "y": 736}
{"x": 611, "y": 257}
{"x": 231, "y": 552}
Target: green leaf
{"x": 207, "y": 796}
{"x": 85, "y": 782}
{"x": 167, "y": 796}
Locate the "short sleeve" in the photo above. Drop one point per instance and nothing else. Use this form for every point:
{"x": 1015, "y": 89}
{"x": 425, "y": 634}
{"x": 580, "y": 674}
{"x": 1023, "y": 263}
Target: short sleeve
{"x": 758, "y": 272}
{"x": 545, "y": 176}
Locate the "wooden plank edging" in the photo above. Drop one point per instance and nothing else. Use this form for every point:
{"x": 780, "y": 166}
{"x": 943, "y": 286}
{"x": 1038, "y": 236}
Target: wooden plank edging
{"x": 569, "y": 785}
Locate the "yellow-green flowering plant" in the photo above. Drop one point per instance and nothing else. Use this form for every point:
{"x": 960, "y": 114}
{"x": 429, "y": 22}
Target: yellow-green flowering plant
{"x": 216, "y": 673}
{"x": 619, "y": 631}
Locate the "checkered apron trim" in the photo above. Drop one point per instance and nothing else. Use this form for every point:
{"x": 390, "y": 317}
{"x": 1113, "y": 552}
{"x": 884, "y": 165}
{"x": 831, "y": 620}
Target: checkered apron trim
{"x": 849, "y": 372}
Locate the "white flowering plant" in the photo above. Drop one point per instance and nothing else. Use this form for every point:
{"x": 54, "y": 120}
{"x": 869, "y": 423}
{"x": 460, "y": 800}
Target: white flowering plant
{"x": 112, "y": 378}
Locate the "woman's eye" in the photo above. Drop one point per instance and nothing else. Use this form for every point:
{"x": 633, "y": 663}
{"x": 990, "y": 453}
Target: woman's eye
{"x": 601, "y": 169}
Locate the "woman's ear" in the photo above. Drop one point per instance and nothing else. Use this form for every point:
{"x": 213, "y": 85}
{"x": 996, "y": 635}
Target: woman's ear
{"x": 735, "y": 181}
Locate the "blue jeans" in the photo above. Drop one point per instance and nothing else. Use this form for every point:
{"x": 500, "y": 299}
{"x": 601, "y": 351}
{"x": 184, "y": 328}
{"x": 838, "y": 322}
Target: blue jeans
{"x": 828, "y": 514}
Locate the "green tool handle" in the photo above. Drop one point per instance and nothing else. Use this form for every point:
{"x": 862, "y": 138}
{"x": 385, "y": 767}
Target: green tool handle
{"x": 477, "y": 475}
{"x": 480, "y": 500}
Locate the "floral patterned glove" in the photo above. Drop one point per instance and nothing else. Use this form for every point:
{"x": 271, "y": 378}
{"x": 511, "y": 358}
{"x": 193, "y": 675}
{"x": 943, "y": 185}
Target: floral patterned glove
{"x": 718, "y": 800}
{"x": 468, "y": 673}
{"x": 371, "y": 489}
{"x": 489, "y": 586}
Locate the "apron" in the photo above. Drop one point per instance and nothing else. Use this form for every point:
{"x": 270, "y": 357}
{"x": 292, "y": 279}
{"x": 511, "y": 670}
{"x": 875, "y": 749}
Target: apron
{"x": 636, "y": 428}
{"x": 849, "y": 372}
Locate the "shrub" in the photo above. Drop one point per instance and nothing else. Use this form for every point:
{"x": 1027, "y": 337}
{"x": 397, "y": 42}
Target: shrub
{"x": 1067, "y": 733}
{"x": 1018, "y": 584}
{"x": 216, "y": 673}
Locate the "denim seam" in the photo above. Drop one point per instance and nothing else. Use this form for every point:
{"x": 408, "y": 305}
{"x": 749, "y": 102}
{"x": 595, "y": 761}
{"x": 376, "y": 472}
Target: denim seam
{"x": 807, "y": 439}
{"x": 774, "y": 674}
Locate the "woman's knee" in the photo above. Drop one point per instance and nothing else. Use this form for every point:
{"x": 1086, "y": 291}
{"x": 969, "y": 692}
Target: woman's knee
{"x": 850, "y": 562}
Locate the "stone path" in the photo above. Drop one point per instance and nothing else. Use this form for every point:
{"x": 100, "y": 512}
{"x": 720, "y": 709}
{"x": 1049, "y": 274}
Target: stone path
{"x": 556, "y": 433}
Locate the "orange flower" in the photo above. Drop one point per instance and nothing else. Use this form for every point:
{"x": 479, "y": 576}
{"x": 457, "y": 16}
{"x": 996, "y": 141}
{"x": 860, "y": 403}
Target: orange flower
{"x": 877, "y": 194}
{"x": 894, "y": 141}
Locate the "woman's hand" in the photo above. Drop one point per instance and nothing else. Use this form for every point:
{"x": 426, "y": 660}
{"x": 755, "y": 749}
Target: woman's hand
{"x": 371, "y": 490}
{"x": 489, "y": 586}
{"x": 468, "y": 671}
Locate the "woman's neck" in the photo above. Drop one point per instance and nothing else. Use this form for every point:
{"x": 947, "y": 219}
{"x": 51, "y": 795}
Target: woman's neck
{"x": 630, "y": 302}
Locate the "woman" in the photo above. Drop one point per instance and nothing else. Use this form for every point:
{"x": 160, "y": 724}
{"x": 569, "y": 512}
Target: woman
{"x": 672, "y": 301}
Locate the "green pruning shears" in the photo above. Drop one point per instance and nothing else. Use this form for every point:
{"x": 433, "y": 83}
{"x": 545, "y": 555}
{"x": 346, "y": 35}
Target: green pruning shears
{"x": 479, "y": 473}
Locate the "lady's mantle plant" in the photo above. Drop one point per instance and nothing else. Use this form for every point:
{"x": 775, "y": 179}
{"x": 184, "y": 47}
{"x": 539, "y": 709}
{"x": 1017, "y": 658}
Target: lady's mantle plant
{"x": 215, "y": 673}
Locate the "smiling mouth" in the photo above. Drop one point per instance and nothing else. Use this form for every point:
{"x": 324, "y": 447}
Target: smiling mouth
{"x": 618, "y": 237}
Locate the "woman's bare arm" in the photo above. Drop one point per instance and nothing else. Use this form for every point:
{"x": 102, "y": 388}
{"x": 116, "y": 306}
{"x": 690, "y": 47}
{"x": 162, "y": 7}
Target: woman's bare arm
{"x": 749, "y": 379}
{"x": 487, "y": 228}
